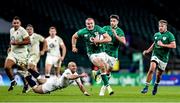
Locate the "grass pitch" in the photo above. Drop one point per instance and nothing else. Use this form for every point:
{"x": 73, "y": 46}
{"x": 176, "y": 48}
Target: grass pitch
{"x": 73, "y": 94}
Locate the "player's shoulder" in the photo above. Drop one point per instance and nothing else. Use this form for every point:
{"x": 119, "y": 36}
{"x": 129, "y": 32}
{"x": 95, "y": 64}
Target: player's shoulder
{"x": 36, "y": 34}
{"x": 21, "y": 29}
{"x": 106, "y": 27}
{"x": 58, "y": 37}
{"x": 47, "y": 38}
{"x": 82, "y": 31}
{"x": 169, "y": 33}
{"x": 67, "y": 71}
{"x": 97, "y": 27}
{"x": 11, "y": 30}
{"x": 157, "y": 33}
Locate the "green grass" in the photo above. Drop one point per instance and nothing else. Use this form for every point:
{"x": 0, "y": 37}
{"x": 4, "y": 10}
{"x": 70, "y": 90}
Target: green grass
{"x": 73, "y": 94}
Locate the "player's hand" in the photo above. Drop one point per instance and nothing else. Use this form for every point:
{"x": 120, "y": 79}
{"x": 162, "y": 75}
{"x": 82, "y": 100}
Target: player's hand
{"x": 61, "y": 58}
{"x": 74, "y": 49}
{"x": 86, "y": 94}
{"x": 160, "y": 43}
{"x": 145, "y": 52}
{"x": 14, "y": 42}
{"x": 96, "y": 40}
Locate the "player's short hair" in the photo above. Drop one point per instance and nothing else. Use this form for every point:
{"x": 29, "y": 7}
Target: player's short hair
{"x": 29, "y": 25}
{"x": 114, "y": 16}
{"x": 89, "y": 19}
{"x": 16, "y": 18}
{"x": 71, "y": 63}
{"x": 52, "y": 27}
{"x": 163, "y": 21}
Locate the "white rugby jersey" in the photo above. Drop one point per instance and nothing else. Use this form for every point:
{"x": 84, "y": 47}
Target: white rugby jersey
{"x": 18, "y": 35}
{"x": 34, "y": 47}
{"x": 64, "y": 81}
{"x": 54, "y": 45}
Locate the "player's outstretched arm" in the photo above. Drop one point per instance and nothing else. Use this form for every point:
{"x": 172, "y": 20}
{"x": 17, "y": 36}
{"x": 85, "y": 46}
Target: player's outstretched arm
{"x": 81, "y": 87}
{"x": 74, "y": 41}
{"x": 63, "y": 47}
{"x": 148, "y": 50}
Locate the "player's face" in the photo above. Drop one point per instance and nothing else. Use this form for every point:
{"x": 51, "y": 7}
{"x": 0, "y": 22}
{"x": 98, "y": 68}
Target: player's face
{"x": 73, "y": 67}
{"x": 113, "y": 22}
{"x": 16, "y": 24}
{"x": 162, "y": 27}
{"x": 90, "y": 24}
{"x": 30, "y": 30}
{"x": 52, "y": 32}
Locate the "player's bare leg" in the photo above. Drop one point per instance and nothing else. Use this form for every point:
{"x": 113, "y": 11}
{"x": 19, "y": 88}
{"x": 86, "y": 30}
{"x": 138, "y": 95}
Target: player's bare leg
{"x": 8, "y": 68}
{"x": 57, "y": 71}
{"x": 48, "y": 70}
{"x": 149, "y": 76}
{"x": 103, "y": 67}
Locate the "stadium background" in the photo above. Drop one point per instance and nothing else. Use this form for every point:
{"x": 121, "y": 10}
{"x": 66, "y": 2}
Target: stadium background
{"x": 138, "y": 19}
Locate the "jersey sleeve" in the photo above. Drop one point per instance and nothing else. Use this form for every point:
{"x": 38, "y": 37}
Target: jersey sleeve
{"x": 41, "y": 38}
{"x": 100, "y": 30}
{"x": 120, "y": 32}
{"x": 66, "y": 73}
{"x": 171, "y": 37}
{"x": 78, "y": 80}
{"x": 60, "y": 41}
{"x": 24, "y": 33}
{"x": 81, "y": 32}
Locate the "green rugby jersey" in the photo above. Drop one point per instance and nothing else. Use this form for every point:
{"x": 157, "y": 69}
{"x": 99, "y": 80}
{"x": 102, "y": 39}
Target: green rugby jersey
{"x": 111, "y": 48}
{"x": 161, "y": 52}
{"x": 86, "y": 34}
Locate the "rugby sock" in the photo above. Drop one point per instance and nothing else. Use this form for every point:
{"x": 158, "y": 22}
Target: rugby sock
{"x": 109, "y": 89}
{"x": 102, "y": 91}
{"x": 23, "y": 79}
{"x": 105, "y": 79}
{"x": 147, "y": 84}
{"x": 31, "y": 82}
{"x": 34, "y": 73}
{"x": 9, "y": 72}
{"x": 156, "y": 84}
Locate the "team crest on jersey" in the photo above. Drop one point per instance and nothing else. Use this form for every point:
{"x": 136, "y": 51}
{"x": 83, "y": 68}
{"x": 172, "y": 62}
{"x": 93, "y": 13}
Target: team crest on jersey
{"x": 91, "y": 39}
{"x": 51, "y": 45}
{"x": 86, "y": 35}
{"x": 96, "y": 33}
{"x": 12, "y": 38}
{"x": 164, "y": 38}
{"x": 155, "y": 38}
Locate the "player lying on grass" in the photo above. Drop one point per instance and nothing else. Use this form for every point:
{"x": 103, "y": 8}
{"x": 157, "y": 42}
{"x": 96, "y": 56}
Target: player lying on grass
{"x": 48, "y": 85}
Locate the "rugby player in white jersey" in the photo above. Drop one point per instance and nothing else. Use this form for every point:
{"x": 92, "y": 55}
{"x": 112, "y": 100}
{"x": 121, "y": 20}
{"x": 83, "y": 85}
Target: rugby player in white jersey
{"x": 54, "y": 55}
{"x": 34, "y": 47}
{"x": 17, "y": 53}
{"x": 53, "y": 83}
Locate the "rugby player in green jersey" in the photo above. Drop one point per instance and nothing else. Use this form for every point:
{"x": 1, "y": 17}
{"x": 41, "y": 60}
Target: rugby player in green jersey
{"x": 93, "y": 36}
{"x": 163, "y": 42}
{"x": 111, "y": 48}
